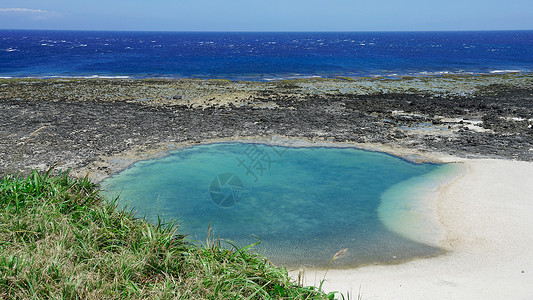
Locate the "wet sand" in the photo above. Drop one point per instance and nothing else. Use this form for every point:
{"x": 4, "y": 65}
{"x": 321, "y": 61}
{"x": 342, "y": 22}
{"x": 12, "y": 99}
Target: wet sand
{"x": 102, "y": 126}
{"x": 486, "y": 215}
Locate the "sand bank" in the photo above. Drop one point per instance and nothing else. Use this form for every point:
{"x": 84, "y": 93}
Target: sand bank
{"x": 487, "y": 217}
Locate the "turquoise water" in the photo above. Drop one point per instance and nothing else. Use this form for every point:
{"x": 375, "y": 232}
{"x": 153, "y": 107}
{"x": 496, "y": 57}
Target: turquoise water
{"x": 304, "y": 204}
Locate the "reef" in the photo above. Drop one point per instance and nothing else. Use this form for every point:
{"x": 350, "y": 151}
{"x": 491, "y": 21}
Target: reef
{"x": 73, "y": 123}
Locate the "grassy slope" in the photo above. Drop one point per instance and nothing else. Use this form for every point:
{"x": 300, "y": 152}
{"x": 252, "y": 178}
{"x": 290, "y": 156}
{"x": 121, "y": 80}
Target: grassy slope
{"x": 60, "y": 239}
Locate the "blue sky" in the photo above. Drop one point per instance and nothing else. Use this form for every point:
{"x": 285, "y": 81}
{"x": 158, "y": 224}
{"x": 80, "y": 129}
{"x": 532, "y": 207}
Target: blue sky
{"x": 271, "y": 15}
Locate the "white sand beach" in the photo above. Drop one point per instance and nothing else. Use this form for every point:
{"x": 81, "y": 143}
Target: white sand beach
{"x": 487, "y": 215}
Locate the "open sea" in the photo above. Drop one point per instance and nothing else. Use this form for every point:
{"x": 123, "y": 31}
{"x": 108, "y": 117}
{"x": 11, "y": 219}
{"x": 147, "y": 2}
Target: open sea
{"x": 261, "y": 55}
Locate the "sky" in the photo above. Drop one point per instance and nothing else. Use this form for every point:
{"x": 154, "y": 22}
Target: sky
{"x": 267, "y": 15}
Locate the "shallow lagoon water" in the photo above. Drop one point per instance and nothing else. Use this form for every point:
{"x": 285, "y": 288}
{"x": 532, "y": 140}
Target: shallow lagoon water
{"x": 304, "y": 204}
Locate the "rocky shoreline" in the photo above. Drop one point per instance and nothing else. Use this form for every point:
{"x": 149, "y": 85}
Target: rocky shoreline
{"x": 81, "y": 121}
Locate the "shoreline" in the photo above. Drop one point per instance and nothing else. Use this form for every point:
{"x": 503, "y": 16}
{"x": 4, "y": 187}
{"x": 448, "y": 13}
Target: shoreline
{"x": 116, "y": 163}
{"x": 489, "y": 238}
{"x": 420, "y": 218}
{"x": 85, "y": 119}
{"x": 286, "y": 77}
{"x": 416, "y": 217}
{"x": 102, "y": 126}
{"x": 470, "y": 250}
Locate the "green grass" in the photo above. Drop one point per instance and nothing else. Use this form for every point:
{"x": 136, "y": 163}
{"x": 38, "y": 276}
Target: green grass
{"x": 60, "y": 239}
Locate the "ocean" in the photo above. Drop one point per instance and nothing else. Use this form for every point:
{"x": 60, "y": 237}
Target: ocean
{"x": 261, "y": 55}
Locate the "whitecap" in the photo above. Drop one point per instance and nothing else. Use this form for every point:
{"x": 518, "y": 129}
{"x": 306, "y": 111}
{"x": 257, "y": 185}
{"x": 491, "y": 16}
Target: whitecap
{"x": 105, "y": 77}
{"x": 504, "y": 71}
{"x": 437, "y": 73}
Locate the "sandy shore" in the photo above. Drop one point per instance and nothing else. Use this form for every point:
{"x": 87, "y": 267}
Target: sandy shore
{"x": 489, "y": 235}
{"x": 102, "y": 126}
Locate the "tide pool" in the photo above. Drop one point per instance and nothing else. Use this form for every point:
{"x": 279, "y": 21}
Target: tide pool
{"x": 303, "y": 203}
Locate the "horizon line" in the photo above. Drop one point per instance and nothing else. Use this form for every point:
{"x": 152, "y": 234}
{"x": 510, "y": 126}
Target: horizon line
{"x": 265, "y": 31}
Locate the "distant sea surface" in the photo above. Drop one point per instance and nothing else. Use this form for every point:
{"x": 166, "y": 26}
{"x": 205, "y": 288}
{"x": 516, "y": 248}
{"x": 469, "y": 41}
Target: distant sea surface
{"x": 261, "y": 56}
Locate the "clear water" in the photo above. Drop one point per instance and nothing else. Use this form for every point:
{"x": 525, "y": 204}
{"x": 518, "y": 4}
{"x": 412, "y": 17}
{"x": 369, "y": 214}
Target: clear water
{"x": 304, "y": 204}
{"x": 260, "y": 55}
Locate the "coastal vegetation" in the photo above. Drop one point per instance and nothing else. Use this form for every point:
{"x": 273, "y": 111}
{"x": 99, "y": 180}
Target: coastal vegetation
{"x": 59, "y": 238}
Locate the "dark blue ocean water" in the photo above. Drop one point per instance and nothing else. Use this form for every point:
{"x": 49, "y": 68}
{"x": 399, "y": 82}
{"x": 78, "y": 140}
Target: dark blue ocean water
{"x": 260, "y": 56}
